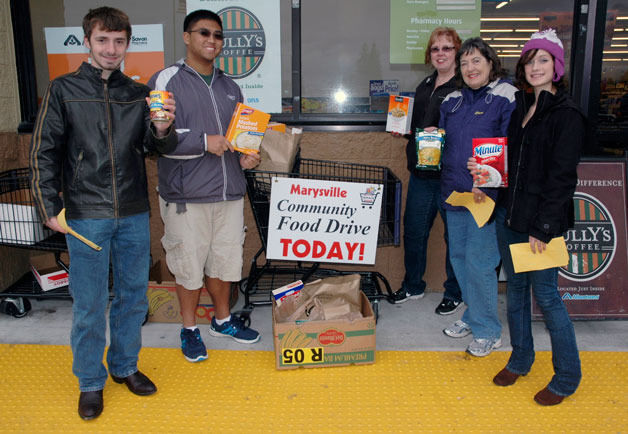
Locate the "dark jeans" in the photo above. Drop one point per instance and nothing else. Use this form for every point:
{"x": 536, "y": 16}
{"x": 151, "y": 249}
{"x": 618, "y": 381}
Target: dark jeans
{"x": 423, "y": 202}
{"x": 127, "y": 242}
{"x": 565, "y": 356}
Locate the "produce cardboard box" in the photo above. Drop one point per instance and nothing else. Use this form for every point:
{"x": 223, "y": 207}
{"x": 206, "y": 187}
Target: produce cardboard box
{"x": 48, "y": 273}
{"x": 163, "y": 304}
{"x": 246, "y": 129}
{"x": 315, "y": 344}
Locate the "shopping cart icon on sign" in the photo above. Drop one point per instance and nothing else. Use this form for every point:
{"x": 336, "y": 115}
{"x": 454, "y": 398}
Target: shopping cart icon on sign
{"x": 368, "y": 198}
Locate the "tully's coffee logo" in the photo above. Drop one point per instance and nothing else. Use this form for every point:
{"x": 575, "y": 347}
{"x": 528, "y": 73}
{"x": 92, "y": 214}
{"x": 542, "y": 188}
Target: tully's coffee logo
{"x": 72, "y": 40}
{"x": 592, "y": 241}
{"x": 244, "y": 44}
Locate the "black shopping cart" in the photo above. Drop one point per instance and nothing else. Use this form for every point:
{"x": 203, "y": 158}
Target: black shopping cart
{"x": 20, "y": 226}
{"x": 266, "y": 276}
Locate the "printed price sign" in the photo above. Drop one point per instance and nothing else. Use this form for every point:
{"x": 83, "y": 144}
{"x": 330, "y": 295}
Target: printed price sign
{"x": 302, "y": 356}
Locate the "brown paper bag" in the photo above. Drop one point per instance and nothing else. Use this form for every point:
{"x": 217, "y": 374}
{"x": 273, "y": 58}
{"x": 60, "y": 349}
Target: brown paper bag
{"x": 278, "y": 151}
{"x": 325, "y": 299}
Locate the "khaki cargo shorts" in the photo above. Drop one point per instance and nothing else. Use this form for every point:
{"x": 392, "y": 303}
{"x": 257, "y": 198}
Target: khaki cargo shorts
{"x": 206, "y": 240}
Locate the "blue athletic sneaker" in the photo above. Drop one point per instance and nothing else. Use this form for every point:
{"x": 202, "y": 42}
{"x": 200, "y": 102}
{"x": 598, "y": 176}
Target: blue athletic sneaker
{"x": 192, "y": 345}
{"x": 234, "y": 328}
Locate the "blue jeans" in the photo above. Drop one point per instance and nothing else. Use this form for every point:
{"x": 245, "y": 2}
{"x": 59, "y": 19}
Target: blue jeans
{"x": 474, "y": 257}
{"x": 127, "y": 241}
{"x": 565, "y": 356}
{"x": 423, "y": 202}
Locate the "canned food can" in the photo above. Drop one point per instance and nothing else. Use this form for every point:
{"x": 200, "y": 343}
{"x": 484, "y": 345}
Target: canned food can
{"x": 157, "y": 112}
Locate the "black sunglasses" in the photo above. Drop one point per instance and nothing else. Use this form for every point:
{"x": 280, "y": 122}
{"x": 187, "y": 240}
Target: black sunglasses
{"x": 205, "y": 33}
{"x": 445, "y": 49}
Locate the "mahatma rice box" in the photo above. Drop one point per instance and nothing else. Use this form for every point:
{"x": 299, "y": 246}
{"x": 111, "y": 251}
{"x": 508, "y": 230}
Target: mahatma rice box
{"x": 163, "y": 304}
{"x": 246, "y": 129}
{"x": 492, "y": 158}
{"x": 399, "y": 114}
{"x": 48, "y": 273}
{"x": 318, "y": 344}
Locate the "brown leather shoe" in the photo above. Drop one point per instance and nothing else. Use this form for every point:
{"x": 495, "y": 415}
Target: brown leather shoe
{"x": 547, "y": 397}
{"x": 90, "y": 404}
{"x": 137, "y": 383}
{"x": 505, "y": 378}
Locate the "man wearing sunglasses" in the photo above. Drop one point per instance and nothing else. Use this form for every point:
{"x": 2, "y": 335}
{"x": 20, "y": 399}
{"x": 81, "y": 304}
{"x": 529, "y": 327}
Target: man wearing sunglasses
{"x": 202, "y": 186}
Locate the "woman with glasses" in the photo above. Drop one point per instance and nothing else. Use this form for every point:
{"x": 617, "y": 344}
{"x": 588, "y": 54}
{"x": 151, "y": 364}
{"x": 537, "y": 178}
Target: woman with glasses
{"x": 480, "y": 108}
{"x": 545, "y": 139}
{"x": 423, "y": 199}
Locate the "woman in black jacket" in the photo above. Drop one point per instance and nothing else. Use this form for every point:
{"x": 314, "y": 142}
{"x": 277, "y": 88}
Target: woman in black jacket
{"x": 545, "y": 139}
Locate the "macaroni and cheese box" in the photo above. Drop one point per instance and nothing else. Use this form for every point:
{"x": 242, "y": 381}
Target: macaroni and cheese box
{"x": 246, "y": 129}
{"x": 492, "y": 158}
{"x": 276, "y": 126}
{"x": 399, "y": 114}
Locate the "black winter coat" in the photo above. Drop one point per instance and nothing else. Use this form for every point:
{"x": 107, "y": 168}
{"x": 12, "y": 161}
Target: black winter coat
{"x": 542, "y": 160}
{"x": 89, "y": 142}
{"x": 426, "y": 113}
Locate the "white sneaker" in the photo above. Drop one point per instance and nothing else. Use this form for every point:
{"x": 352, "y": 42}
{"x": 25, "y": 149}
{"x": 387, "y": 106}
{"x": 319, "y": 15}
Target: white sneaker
{"x": 459, "y": 329}
{"x": 483, "y": 347}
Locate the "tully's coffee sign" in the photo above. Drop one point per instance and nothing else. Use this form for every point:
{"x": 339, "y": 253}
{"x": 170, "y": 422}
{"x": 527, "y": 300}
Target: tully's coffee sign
{"x": 594, "y": 284}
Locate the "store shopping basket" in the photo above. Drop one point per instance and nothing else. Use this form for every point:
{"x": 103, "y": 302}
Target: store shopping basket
{"x": 266, "y": 276}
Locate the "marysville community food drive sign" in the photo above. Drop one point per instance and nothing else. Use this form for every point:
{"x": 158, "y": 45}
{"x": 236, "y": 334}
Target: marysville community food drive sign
{"x": 323, "y": 221}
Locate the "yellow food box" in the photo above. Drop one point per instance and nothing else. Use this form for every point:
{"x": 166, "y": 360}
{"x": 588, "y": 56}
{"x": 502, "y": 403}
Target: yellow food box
{"x": 276, "y": 126}
{"x": 246, "y": 129}
{"x": 399, "y": 114}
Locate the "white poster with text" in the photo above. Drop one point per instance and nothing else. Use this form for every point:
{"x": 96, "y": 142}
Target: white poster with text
{"x": 251, "y": 52}
{"x": 323, "y": 221}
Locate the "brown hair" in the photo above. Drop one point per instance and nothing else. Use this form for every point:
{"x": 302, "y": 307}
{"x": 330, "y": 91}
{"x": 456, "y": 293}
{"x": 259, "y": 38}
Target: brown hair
{"x": 468, "y": 47}
{"x": 109, "y": 19}
{"x": 442, "y": 31}
{"x": 520, "y": 72}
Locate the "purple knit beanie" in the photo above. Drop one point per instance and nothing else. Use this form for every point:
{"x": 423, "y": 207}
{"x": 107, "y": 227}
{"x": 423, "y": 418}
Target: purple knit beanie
{"x": 548, "y": 41}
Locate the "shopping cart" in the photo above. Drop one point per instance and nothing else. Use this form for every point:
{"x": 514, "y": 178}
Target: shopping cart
{"x": 266, "y": 276}
{"x": 21, "y": 227}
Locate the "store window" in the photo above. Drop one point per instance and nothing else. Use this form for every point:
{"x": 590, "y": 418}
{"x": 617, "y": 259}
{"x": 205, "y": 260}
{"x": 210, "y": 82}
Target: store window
{"x": 169, "y": 14}
{"x": 613, "y": 115}
{"x": 345, "y": 45}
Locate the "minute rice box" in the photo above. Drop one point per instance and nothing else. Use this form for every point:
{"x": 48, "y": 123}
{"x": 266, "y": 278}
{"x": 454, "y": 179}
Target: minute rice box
{"x": 399, "y": 114}
{"x": 492, "y": 158}
{"x": 246, "y": 129}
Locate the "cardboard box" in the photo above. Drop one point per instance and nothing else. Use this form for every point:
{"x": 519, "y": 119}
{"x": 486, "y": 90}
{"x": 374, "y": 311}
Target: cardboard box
{"x": 20, "y": 224}
{"x": 276, "y": 126}
{"x": 48, "y": 273}
{"x": 246, "y": 129}
{"x": 316, "y": 344}
{"x": 399, "y": 114}
{"x": 163, "y": 304}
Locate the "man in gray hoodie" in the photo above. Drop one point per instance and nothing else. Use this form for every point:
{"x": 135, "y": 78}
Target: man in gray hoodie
{"x": 202, "y": 186}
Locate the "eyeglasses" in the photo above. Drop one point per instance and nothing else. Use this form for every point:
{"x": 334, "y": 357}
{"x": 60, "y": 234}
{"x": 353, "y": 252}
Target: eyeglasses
{"x": 205, "y": 33}
{"x": 445, "y": 49}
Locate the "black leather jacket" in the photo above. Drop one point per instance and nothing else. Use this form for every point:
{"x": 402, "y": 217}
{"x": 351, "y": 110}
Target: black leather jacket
{"x": 542, "y": 160}
{"x": 89, "y": 142}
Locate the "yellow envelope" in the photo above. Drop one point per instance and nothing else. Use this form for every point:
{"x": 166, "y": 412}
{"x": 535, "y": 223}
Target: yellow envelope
{"x": 555, "y": 255}
{"x": 481, "y": 212}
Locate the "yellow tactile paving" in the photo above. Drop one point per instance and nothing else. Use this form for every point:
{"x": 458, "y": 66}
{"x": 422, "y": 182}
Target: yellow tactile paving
{"x": 241, "y": 391}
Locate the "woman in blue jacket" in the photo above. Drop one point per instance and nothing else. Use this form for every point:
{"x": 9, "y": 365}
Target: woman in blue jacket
{"x": 545, "y": 139}
{"x": 480, "y": 108}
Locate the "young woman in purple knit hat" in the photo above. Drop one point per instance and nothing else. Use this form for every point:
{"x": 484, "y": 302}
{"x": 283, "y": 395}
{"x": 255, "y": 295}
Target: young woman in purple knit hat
{"x": 545, "y": 139}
